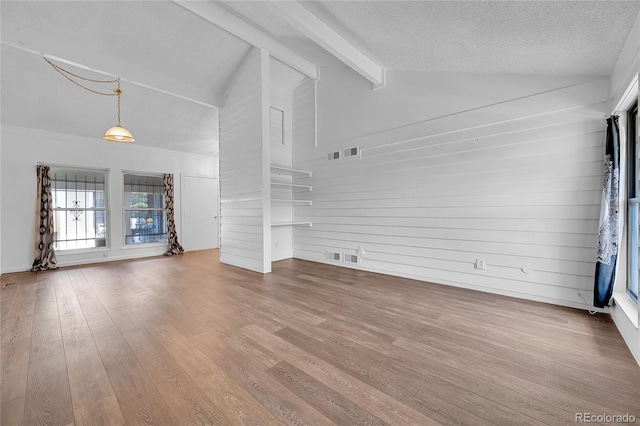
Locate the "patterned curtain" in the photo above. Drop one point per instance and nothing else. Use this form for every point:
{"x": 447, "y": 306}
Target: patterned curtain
{"x": 609, "y": 218}
{"x": 45, "y": 256}
{"x": 172, "y": 234}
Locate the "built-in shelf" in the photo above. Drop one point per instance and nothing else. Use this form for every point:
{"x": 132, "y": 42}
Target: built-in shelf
{"x": 291, "y": 202}
{"x": 287, "y": 170}
{"x": 241, "y": 200}
{"x": 292, "y": 185}
{"x": 287, "y": 173}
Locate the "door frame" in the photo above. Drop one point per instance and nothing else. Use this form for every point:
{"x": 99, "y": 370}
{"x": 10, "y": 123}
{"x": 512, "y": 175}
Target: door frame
{"x": 182, "y": 204}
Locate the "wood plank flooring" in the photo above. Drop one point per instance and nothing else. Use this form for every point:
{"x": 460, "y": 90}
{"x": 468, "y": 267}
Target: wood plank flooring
{"x": 187, "y": 340}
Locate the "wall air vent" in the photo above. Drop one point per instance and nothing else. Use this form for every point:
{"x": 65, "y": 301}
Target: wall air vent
{"x": 333, "y": 155}
{"x": 352, "y": 152}
{"x": 351, "y": 258}
{"x": 334, "y": 255}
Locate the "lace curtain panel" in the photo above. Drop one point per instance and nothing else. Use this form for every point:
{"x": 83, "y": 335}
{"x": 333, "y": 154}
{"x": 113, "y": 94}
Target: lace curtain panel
{"x": 609, "y": 218}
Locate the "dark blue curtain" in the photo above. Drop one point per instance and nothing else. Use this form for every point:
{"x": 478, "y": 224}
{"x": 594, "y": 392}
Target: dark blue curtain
{"x": 609, "y": 218}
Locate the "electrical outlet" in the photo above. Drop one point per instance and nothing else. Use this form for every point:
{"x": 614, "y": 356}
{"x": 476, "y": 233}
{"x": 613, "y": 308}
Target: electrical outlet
{"x": 480, "y": 264}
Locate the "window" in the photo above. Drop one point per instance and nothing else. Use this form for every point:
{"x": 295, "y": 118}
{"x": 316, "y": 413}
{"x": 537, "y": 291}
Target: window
{"x": 144, "y": 210}
{"x": 633, "y": 180}
{"x": 79, "y": 208}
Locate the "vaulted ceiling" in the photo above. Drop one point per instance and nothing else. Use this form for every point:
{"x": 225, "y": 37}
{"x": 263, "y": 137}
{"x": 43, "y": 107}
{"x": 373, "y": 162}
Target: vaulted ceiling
{"x": 175, "y": 65}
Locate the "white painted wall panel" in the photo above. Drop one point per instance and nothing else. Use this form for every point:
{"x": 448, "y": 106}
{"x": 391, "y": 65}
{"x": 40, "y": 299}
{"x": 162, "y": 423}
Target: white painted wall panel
{"x": 507, "y": 170}
{"x": 242, "y": 167}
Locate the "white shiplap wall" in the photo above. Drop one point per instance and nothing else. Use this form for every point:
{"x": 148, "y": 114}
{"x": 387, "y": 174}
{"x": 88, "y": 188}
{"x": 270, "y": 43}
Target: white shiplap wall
{"x": 245, "y": 221}
{"x": 460, "y": 168}
{"x": 304, "y": 115}
{"x": 304, "y": 141}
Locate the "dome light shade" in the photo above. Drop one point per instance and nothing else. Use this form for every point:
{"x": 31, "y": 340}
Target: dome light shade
{"x": 118, "y": 134}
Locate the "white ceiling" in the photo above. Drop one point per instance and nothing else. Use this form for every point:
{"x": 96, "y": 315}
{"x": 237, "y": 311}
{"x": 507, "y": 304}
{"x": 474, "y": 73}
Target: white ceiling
{"x": 497, "y": 37}
{"x": 147, "y": 42}
{"x": 163, "y": 45}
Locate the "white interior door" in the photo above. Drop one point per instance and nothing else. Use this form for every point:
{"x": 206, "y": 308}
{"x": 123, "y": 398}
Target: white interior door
{"x": 200, "y": 221}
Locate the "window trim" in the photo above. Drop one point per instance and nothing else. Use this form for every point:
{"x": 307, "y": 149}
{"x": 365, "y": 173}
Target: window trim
{"x": 107, "y": 209}
{"x": 622, "y": 299}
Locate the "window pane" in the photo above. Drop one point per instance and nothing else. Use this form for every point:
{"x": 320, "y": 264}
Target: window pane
{"x": 145, "y": 226}
{"x": 73, "y": 192}
{"x": 75, "y": 229}
{"x": 78, "y": 188}
{"x": 634, "y": 190}
{"x": 143, "y": 192}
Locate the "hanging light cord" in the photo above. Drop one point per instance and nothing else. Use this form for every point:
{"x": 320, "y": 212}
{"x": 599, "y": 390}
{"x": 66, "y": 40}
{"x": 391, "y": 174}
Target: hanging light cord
{"x": 68, "y": 74}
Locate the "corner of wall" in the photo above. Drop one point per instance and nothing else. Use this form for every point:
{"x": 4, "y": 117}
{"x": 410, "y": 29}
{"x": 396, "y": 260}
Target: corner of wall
{"x": 627, "y": 66}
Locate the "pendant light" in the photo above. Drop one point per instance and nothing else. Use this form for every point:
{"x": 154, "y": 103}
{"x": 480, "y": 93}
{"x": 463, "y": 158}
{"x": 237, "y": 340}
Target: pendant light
{"x": 114, "y": 134}
{"x": 118, "y": 133}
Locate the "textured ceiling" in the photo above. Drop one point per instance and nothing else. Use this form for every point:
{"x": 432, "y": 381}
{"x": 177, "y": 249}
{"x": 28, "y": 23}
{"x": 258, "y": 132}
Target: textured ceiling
{"x": 502, "y": 37}
{"x": 149, "y": 39}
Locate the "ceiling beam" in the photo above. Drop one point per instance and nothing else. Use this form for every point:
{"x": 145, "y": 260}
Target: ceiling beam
{"x": 219, "y": 16}
{"x": 18, "y": 37}
{"x": 308, "y": 24}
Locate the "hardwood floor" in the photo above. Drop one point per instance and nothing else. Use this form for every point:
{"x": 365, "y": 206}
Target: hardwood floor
{"x": 187, "y": 340}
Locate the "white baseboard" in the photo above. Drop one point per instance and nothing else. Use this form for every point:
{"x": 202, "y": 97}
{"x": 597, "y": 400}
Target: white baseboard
{"x": 62, "y": 264}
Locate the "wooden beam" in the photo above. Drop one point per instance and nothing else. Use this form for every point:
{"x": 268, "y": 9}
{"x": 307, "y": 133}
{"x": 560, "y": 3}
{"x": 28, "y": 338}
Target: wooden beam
{"x": 308, "y": 24}
{"x": 241, "y": 29}
{"x": 30, "y": 41}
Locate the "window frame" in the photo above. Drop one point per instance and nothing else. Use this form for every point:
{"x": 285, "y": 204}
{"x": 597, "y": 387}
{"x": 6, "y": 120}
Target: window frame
{"x": 106, "y": 209}
{"x": 633, "y": 183}
{"x": 126, "y": 209}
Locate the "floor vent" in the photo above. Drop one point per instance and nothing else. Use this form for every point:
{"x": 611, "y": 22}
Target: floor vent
{"x": 10, "y": 284}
